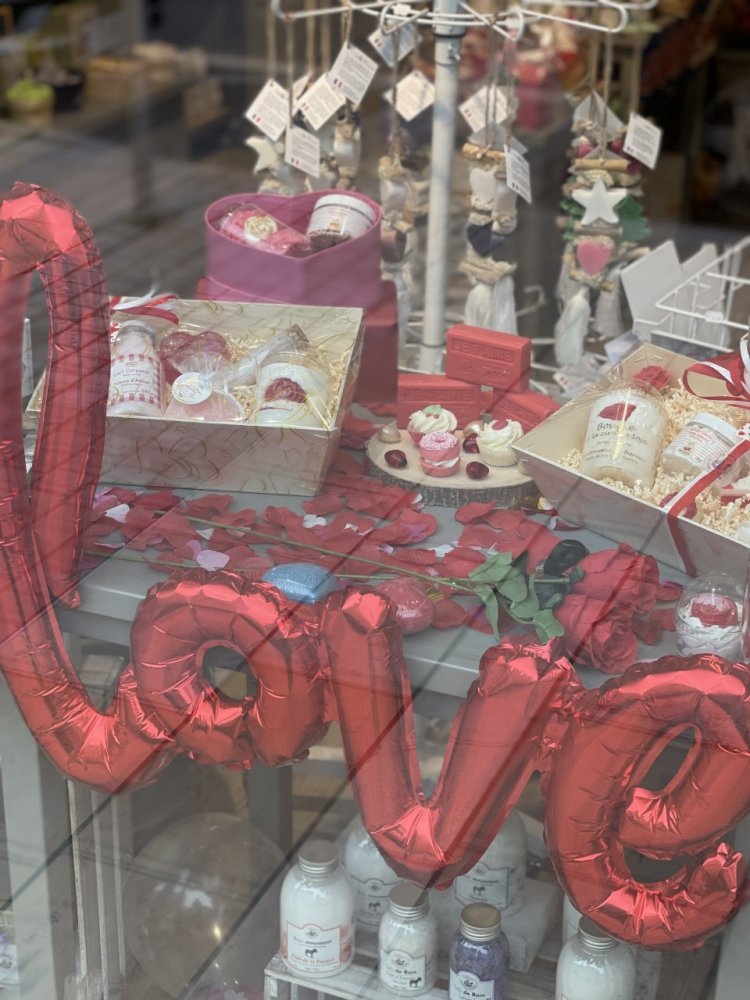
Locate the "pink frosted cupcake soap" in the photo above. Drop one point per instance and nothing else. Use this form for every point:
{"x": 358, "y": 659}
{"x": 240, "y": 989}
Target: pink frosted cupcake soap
{"x": 429, "y": 420}
{"x": 439, "y": 453}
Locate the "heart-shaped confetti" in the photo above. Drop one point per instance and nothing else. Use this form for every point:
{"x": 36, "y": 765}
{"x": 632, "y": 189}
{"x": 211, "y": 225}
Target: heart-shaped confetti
{"x": 593, "y": 255}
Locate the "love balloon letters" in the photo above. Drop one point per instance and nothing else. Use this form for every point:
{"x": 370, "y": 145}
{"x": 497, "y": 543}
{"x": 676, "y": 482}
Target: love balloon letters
{"x": 343, "y": 660}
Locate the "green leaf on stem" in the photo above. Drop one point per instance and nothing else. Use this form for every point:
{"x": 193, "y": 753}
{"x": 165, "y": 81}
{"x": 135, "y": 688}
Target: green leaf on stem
{"x": 547, "y": 626}
{"x": 527, "y": 608}
{"x": 492, "y": 610}
{"x": 514, "y": 587}
{"x": 493, "y": 570}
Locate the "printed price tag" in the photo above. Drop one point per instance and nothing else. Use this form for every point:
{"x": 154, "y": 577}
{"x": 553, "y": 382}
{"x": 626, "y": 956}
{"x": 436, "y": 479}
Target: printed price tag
{"x": 270, "y": 110}
{"x": 303, "y": 151}
{"x": 517, "y": 172}
{"x": 385, "y": 45}
{"x": 321, "y": 102}
{"x": 414, "y": 94}
{"x": 476, "y": 110}
{"x": 352, "y": 73}
{"x": 643, "y": 141}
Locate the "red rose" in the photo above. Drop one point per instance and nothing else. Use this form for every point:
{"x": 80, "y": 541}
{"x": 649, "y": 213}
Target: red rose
{"x": 653, "y": 375}
{"x": 597, "y": 635}
{"x": 620, "y": 577}
{"x": 713, "y": 609}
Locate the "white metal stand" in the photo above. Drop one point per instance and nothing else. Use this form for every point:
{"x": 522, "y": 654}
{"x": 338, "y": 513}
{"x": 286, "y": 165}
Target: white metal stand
{"x": 449, "y": 19}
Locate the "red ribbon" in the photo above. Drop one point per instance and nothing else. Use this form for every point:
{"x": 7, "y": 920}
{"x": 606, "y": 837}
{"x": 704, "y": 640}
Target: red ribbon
{"x": 732, "y": 375}
{"x": 146, "y": 306}
{"x": 689, "y": 493}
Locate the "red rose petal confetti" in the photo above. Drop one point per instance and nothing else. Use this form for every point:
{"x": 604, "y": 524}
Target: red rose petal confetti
{"x": 474, "y": 511}
{"x": 323, "y": 504}
{"x": 669, "y": 590}
{"x": 449, "y": 614}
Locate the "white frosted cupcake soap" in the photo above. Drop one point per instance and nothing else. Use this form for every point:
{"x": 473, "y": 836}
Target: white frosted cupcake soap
{"x": 431, "y": 420}
{"x": 494, "y": 442}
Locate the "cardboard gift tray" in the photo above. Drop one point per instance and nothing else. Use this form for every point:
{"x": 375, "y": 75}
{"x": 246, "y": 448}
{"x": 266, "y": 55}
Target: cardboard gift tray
{"x": 616, "y": 516}
{"x": 146, "y": 451}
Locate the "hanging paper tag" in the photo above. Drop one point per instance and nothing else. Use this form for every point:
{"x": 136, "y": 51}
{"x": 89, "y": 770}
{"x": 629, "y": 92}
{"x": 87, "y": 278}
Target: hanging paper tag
{"x": 352, "y": 73}
{"x": 321, "y": 102}
{"x": 414, "y": 94}
{"x": 270, "y": 110}
{"x": 643, "y": 141}
{"x": 303, "y": 151}
{"x": 476, "y": 110}
{"x": 517, "y": 173}
{"x": 385, "y": 45}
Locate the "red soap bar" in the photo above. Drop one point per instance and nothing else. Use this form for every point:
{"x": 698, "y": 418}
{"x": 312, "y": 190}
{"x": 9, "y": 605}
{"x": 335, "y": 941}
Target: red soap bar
{"x": 528, "y": 408}
{"x": 486, "y": 357}
{"x": 417, "y": 391}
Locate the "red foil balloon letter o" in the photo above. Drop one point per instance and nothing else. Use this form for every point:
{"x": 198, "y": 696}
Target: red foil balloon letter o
{"x": 193, "y": 610}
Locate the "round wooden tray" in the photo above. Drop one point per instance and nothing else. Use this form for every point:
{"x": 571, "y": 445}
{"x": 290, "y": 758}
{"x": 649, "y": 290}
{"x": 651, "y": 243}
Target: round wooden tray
{"x": 507, "y": 486}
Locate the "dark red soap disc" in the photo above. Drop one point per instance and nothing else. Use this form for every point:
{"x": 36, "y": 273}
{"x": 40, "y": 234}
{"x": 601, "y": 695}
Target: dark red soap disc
{"x": 477, "y": 470}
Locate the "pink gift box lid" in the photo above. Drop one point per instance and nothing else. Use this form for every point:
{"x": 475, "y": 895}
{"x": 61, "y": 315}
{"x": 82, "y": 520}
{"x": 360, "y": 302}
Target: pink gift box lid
{"x": 343, "y": 275}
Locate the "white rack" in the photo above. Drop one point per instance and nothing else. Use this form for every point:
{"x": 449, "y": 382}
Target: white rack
{"x": 449, "y": 20}
{"x": 703, "y": 309}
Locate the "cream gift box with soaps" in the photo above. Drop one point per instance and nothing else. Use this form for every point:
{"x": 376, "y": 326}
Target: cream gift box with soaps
{"x": 288, "y": 457}
{"x": 543, "y": 454}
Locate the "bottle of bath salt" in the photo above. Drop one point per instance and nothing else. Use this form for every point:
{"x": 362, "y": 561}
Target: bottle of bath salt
{"x": 370, "y": 875}
{"x": 317, "y": 914}
{"x": 479, "y": 956}
{"x": 408, "y": 942}
{"x": 594, "y": 966}
{"x": 499, "y": 875}
{"x": 625, "y": 430}
{"x": 135, "y": 381}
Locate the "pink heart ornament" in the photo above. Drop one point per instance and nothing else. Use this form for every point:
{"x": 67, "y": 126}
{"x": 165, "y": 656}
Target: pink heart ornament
{"x": 593, "y": 257}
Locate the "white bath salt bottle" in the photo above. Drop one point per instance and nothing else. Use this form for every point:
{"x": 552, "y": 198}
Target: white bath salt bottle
{"x": 408, "y": 942}
{"x": 499, "y": 875}
{"x": 370, "y": 875}
{"x": 625, "y": 431}
{"x": 135, "y": 381}
{"x": 595, "y": 966}
{"x": 317, "y": 914}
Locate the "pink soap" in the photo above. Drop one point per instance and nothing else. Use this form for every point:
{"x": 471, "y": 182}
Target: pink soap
{"x": 528, "y": 408}
{"x": 487, "y": 357}
{"x": 439, "y": 453}
{"x": 417, "y": 391}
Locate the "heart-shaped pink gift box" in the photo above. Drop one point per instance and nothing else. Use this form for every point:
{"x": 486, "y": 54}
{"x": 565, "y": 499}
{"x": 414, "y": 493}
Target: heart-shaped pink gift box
{"x": 343, "y": 275}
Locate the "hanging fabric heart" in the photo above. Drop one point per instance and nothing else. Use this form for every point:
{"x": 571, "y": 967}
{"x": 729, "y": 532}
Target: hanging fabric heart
{"x": 594, "y": 254}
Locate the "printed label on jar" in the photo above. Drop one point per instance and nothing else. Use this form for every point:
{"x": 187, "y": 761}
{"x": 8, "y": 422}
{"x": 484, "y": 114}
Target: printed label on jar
{"x": 315, "y": 949}
{"x": 482, "y": 884}
{"x": 402, "y": 972}
{"x": 466, "y": 986}
{"x": 134, "y": 378}
{"x": 622, "y": 433}
{"x": 371, "y": 899}
{"x": 700, "y": 446}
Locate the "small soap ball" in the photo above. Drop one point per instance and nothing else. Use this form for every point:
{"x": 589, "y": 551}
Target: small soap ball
{"x": 389, "y": 434}
{"x": 414, "y": 609}
{"x": 709, "y": 617}
{"x": 303, "y": 582}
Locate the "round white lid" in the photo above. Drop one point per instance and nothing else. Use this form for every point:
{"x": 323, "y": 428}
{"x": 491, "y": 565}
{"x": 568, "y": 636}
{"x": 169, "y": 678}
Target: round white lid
{"x": 722, "y": 427}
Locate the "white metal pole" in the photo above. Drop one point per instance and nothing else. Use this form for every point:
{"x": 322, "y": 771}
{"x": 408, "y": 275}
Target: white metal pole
{"x": 447, "y": 57}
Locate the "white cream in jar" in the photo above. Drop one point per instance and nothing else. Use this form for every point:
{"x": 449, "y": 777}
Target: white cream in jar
{"x": 701, "y": 444}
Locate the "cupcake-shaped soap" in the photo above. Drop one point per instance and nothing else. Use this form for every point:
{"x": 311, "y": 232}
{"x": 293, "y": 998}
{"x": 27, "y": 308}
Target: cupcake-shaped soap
{"x": 439, "y": 453}
{"x": 495, "y": 440}
{"x": 430, "y": 420}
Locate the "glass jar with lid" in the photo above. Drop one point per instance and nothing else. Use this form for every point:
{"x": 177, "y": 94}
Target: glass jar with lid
{"x": 479, "y": 956}
{"x": 499, "y": 875}
{"x": 135, "y": 382}
{"x": 595, "y": 966}
{"x": 408, "y": 942}
{"x": 317, "y": 914}
{"x": 701, "y": 444}
{"x": 370, "y": 875}
{"x": 625, "y": 431}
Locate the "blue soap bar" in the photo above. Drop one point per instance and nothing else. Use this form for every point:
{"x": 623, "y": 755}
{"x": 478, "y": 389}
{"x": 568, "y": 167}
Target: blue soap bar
{"x": 303, "y": 582}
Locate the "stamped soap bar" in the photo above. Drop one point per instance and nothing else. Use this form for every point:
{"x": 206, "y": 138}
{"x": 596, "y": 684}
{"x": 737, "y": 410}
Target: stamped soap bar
{"x": 417, "y": 391}
{"x": 303, "y": 582}
{"x": 487, "y": 357}
{"x": 528, "y": 408}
